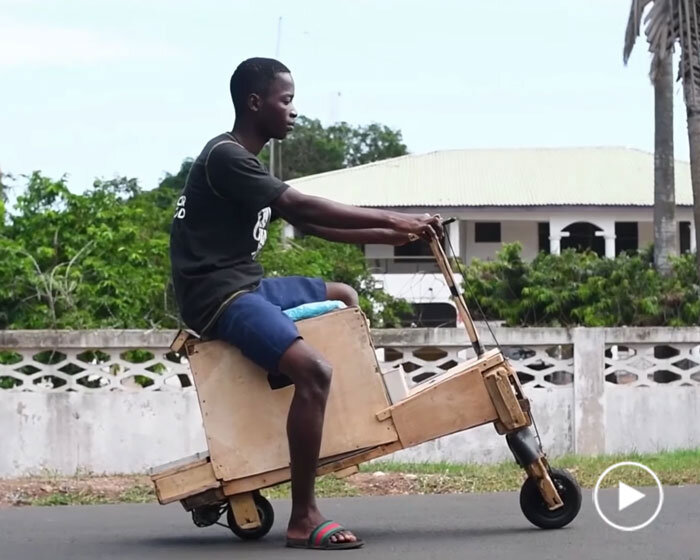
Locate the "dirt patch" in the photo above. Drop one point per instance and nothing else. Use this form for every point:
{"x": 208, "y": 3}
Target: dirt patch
{"x": 384, "y": 484}
{"x": 119, "y": 489}
{"x": 88, "y": 489}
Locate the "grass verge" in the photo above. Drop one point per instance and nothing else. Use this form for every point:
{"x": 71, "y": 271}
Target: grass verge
{"x": 377, "y": 478}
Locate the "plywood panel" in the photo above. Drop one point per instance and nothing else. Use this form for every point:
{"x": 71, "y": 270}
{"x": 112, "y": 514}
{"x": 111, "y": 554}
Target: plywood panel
{"x": 178, "y": 465}
{"x": 458, "y": 403}
{"x": 330, "y": 465}
{"x": 245, "y": 421}
{"x": 186, "y": 482}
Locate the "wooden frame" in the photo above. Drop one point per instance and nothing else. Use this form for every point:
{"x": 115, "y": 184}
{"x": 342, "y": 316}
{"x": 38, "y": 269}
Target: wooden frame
{"x": 248, "y": 449}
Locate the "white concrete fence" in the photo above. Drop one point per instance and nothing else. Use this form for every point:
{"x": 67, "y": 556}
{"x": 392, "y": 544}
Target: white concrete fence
{"x": 120, "y": 402}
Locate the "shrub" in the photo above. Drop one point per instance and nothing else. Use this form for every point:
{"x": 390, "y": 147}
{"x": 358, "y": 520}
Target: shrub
{"x": 582, "y": 289}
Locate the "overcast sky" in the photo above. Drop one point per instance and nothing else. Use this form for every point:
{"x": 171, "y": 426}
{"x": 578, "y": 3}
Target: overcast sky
{"x": 98, "y": 88}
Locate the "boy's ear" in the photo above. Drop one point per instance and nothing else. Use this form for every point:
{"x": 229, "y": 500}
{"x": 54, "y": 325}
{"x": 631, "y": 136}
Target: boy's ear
{"x": 254, "y": 102}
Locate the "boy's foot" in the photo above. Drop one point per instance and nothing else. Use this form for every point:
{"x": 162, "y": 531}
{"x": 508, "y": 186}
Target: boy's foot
{"x": 324, "y": 535}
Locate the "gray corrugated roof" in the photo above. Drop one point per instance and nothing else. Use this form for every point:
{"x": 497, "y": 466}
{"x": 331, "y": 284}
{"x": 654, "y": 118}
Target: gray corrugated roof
{"x": 502, "y": 177}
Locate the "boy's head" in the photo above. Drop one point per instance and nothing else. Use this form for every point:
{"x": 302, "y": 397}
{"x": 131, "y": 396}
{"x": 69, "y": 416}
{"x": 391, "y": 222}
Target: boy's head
{"x": 262, "y": 89}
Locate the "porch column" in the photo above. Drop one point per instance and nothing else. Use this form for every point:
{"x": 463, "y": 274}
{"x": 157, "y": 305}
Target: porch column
{"x": 555, "y": 244}
{"x": 555, "y": 241}
{"x": 609, "y": 243}
{"x": 454, "y": 237}
{"x": 610, "y": 246}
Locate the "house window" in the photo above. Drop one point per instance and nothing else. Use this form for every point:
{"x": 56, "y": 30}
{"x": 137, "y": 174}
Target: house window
{"x": 626, "y": 237}
{"x": 543, "y": 236}
{"x": 487, "y": 232}
{"x": 684, "y": 236}
{"x": 415, "y": 251}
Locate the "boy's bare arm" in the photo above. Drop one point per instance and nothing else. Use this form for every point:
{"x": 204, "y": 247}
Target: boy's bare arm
{"x": 381, "y": 236}
{"x": 303, "y": 210}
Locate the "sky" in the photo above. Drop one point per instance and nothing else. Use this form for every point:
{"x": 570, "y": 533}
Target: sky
{"x": 105, "y": 88}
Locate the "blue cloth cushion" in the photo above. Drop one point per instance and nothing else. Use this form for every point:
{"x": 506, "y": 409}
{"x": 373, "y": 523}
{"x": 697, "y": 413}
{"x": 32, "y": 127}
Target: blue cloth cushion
{"x": 313, "y": 309}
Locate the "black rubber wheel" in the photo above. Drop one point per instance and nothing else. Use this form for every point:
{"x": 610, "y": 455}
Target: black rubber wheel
{"x": 267, "y": 518}
{"x": 535, "y": 509}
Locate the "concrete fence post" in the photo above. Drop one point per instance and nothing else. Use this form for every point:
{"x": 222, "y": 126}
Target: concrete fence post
{"x": 589, "y": 391}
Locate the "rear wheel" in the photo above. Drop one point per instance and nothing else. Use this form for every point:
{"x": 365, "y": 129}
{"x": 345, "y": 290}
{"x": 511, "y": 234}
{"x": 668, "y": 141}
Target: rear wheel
{"x": 267, "y": 518}
{"x": 535, "y": 509}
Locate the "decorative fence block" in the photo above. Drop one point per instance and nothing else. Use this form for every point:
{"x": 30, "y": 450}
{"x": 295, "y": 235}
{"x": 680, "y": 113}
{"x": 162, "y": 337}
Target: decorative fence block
{"x": 597, "y": 390}
{"x": 543, "y": 358}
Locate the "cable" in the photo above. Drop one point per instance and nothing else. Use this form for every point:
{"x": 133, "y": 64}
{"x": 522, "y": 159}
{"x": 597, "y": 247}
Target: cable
{"x": 466, "y": 284}
{"x": 464, "y": 277}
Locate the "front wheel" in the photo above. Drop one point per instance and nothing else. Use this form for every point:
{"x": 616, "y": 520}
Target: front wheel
{"x": 535, "y": 509}
{"x": 267, "y": 518}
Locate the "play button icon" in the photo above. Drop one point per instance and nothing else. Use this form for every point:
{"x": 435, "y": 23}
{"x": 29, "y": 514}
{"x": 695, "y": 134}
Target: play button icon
{"x": 626, "y": 496}
{"x": 635, "y": 508}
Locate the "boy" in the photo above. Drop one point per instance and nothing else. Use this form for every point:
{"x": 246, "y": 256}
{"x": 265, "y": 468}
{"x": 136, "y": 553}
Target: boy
{"x": 220, "y": 226}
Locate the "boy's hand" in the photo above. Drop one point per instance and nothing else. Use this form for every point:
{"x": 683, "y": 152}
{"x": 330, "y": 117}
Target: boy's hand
{"x": 421, "y": 225}
{"x": 398, "y": 238}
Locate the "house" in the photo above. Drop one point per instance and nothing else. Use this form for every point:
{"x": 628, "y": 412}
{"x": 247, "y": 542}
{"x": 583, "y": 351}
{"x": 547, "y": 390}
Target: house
{"x": 547, "y": 199}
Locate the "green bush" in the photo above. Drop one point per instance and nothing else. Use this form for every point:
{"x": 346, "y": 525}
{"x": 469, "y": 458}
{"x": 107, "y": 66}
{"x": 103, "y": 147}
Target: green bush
{"x": 100, "y": 259}
{"x": 582, "y": 289}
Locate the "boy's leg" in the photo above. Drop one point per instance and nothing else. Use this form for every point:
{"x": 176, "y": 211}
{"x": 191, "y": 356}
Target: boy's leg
{"x": 290, "y": 291}
{"x": 269, "y": 338}
{"x": 311, "y": 376}
{"x": 342, "y": 292}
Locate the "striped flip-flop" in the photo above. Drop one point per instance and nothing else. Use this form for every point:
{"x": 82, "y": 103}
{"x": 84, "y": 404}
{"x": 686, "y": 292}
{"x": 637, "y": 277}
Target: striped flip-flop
{"x": 320, "y": 538}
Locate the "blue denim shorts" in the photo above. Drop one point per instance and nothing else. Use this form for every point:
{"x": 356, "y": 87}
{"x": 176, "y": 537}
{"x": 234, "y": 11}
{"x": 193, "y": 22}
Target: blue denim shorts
{"x": 255, "y": 324}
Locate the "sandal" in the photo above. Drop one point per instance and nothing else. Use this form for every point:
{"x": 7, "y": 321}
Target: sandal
{"x": 320, "y": 538}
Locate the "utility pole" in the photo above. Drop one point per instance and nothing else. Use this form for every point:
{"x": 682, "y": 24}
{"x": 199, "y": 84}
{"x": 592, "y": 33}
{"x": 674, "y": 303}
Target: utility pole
{"x": 334, "y": 106}
{"x": 275, "y": 147}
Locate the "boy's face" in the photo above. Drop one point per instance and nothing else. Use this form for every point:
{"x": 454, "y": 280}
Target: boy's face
{"x": 277, "y": 112}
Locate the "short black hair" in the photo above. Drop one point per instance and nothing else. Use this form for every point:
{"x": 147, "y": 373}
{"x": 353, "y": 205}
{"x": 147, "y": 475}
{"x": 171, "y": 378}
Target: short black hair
{"x": 253, "y": 76}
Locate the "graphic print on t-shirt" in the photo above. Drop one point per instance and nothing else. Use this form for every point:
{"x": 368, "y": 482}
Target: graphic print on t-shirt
{"x": 180, "y": 208}
{"x": 260, "y": 230}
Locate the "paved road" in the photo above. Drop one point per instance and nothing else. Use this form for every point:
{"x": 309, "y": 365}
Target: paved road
{"x": 486, "y": 526}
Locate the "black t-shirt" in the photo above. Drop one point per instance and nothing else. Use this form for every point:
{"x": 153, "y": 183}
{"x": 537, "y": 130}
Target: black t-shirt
{"x": 219, "y": 227}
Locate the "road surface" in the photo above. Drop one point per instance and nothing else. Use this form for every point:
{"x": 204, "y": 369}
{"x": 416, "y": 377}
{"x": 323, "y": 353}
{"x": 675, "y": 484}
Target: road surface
{"x": 466, "y": 526}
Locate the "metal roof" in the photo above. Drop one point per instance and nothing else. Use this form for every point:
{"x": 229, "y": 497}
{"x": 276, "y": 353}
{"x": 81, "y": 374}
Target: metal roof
{"x": 502, "y": 177}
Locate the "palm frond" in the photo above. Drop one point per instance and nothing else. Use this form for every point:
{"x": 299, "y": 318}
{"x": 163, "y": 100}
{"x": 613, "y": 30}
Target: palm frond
{"x": 661, "y": 31}
{"x": 689, "y": 36}
{"x": 633, "y": 24}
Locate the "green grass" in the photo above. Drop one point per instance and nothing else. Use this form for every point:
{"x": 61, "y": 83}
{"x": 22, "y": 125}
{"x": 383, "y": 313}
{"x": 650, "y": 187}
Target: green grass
{"x": 673, "y": 468}
{"x": 137, "y": 494}
{"x": 69, "y": 499}
{"x": 326, "y": 487}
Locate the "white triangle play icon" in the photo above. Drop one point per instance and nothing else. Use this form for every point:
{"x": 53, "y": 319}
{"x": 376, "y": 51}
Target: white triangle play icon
{"x": 626, "y": 496}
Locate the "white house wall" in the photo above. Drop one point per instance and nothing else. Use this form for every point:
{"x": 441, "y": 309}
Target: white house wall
{"x": 418, "y": 282}
{"x": 646, "y": 234}
{"x": 511, "y": 231}
{"x": 379, "y": 251}
{"x": 568, "y": 214}
{"x": 514, "y": 227}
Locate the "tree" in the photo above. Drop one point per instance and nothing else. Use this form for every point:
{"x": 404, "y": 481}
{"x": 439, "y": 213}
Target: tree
{"x": 97, "y": 259}
{"x": 668, "y": 23}
{"x": 100, "y": 258}
{"x": 3, "y": 198}
{"x": 3, "y": 194}
{"x": 310, "y": 148}
{"x": 661, "y": 75}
